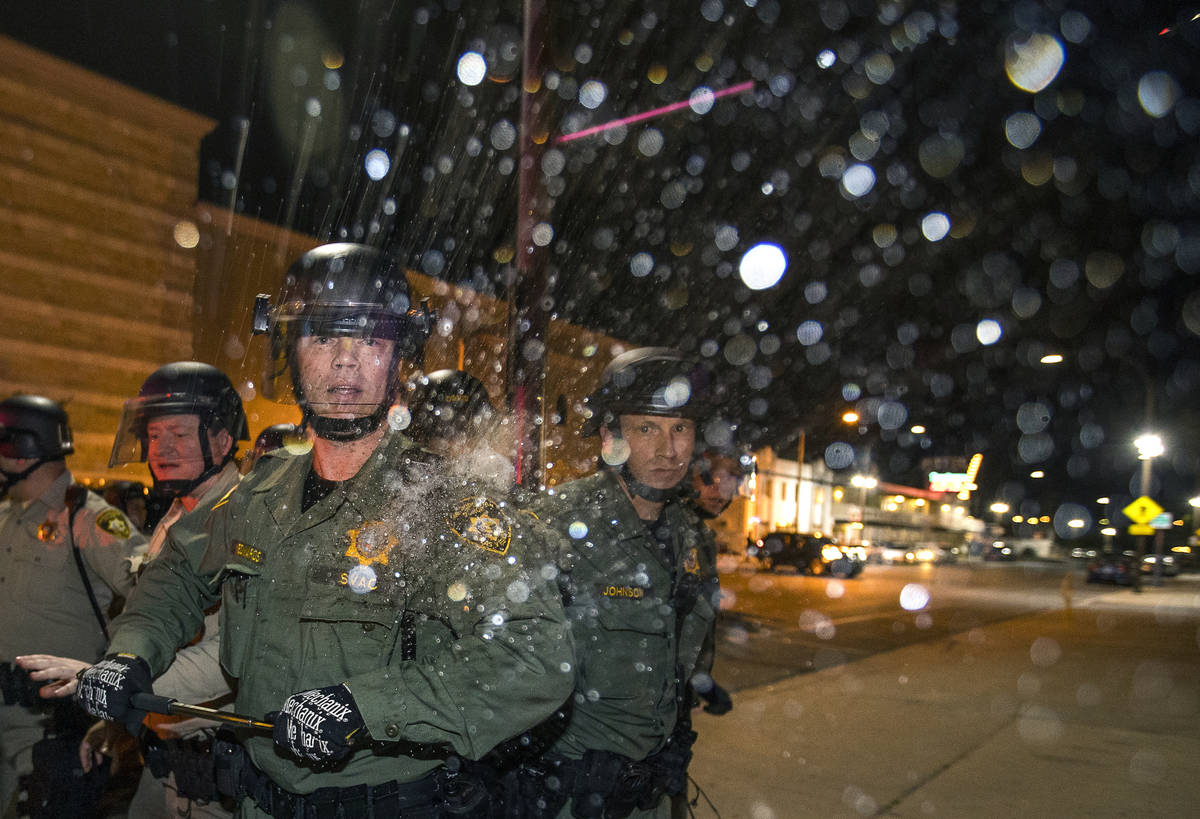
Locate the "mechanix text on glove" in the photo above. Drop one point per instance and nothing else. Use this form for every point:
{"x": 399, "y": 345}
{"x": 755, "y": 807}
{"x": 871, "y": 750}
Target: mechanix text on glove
{"x": 321, "y": 725}
{"x": 106, "y": 689}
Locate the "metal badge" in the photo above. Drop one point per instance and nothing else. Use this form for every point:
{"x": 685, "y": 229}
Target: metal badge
{"x": 371, "y": 543}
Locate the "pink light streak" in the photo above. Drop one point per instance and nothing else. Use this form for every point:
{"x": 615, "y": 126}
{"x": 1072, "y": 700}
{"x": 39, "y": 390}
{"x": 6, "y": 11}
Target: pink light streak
{"x": 655, "y": 112}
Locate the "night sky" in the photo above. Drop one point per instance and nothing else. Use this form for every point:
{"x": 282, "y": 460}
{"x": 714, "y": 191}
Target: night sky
{"x": 1072, "y": 207}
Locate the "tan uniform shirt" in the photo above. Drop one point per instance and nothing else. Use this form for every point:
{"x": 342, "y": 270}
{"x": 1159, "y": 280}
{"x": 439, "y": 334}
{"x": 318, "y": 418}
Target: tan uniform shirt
{"x": 44, "y": 607}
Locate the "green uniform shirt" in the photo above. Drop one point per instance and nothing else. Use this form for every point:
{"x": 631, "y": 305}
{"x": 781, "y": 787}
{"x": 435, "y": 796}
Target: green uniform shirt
{"x": 436, "y": 607}
{"x": 639, "y": 614}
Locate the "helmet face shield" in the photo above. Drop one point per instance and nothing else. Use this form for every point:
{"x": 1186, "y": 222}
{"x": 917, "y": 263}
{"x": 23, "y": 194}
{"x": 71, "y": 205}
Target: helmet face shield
{"x": 181, "y": 388}
{"x": 129, "y": 447}
{"x": 341, "y": 291}
{"x": 18, "y": 443}
{"x": 33, "y": 427}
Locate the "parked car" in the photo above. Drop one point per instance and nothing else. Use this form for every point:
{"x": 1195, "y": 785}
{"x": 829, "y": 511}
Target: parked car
{"x": 1000, "y": 551}
{"x": 1170, "y": 566}
{"x": 898, "y": 553}
{"x": 811, "y": 554}
{"x": 1110, "y": 568}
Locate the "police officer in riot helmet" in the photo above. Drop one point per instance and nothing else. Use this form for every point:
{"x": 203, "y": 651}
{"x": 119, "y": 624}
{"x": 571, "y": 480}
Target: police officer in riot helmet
{"x": 69, "y": 555}
{"x": 641, "y": 563}
{"x": 360, "y": 600}
{"x": 453, "y": 416}
{"x": 184, "y": 424}
{"x": 342, "y": 296}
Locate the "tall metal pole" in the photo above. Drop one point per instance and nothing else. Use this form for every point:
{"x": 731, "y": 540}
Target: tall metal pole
{"x": 1147, "y": 420}
{"x": 799, "y": 475}
{"x": 528, "y": 319}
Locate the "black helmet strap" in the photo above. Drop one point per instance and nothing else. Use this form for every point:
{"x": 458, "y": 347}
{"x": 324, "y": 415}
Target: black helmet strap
{"x": 645, "y": 492}
{"x": 185, "y": 486}
{"x": 344, "y": 429}
{"x": 11, "y": 478}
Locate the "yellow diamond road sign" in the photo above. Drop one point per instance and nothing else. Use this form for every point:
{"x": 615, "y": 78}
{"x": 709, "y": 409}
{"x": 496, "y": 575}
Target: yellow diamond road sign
{"x": 1142, "y": 510}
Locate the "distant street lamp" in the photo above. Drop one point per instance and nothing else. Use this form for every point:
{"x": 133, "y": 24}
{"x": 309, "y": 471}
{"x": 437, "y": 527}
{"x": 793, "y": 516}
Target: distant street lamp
{"x": 850, "y": 417}
{"x": 1149, "y": 447}
{"x": 999, "y": 507}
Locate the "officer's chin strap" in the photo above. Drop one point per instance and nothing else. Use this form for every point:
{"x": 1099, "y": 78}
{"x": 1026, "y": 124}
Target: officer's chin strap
{"x": 645, "y": 492}
{"x": 345, "y": 429}
{"x": 11, "y": 478}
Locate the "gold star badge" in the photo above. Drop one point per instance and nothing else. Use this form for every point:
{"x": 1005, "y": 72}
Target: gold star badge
{"x": 371, "y": 543}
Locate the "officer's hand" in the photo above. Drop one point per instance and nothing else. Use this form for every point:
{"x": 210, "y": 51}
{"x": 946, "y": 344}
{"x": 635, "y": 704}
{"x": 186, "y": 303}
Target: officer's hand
{"x": 106, "y": 689}
{"x": 716, "y": 700}
{"x": 58, "y": 674}
{"x": 321, "y": 725}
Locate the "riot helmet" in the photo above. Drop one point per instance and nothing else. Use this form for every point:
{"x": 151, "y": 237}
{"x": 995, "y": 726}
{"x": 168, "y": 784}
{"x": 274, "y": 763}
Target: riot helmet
{"x": 181, "y": 388}
{"x": 277, "y": 436}
{"x": 648, "y": 381}
{"x": 33, "y": 427}
{"x": 449, "y": 404}
{"x": 340, "y": 290}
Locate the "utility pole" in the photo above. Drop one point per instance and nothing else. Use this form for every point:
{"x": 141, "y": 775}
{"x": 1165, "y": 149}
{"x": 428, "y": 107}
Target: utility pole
{"x": 528, "y": 319}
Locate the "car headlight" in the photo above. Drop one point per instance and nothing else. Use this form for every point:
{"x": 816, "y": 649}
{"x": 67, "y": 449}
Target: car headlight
{"x": 831, "y": 553}
{"x": 924, "y": 555}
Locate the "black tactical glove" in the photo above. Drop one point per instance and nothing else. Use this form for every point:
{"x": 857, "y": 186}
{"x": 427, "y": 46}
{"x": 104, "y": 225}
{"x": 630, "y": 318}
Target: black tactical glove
{"x": 106, "y": 689}
{"x": 716, "y": 700}
{"x": 321, "y": 725}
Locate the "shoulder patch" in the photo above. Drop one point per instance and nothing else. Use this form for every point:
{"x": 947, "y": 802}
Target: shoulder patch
{"x": 113, "y": 522}
{"x": 480, "y": 521}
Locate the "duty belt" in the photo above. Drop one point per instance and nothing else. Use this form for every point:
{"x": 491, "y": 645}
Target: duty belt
{"x": 417, "y": 799}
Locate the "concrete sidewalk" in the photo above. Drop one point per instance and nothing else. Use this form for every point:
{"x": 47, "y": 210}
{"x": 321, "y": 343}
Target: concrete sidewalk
{"x": 1093, "y": 712}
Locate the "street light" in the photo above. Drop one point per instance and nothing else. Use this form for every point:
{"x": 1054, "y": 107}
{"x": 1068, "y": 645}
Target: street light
{"x": 1149, "y": 447}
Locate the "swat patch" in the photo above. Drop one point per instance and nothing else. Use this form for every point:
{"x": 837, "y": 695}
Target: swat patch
{"x": 691, "y": 562}
{"x": 113, "y": 522}
{"x": 46, "y": 531}
{"x": 480, "y": 521}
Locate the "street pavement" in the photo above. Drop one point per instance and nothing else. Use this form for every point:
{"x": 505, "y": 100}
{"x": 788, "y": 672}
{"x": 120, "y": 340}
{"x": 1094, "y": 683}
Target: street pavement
{"x": 1090, "y": 710}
